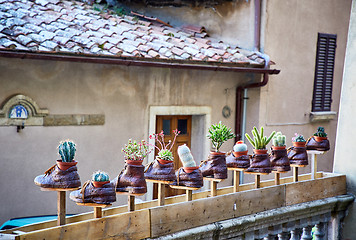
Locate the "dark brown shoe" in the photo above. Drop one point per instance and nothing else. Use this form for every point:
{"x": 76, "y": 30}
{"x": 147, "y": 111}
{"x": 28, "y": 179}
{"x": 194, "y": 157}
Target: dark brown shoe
{"x": 54, "y": 177}
{"x": 90, "y": 194}
{"x": 260, "y": 164}
{"x": 279, "y": 160}
{"x": 131, "y": 180}
{"x": 237, "y": 162}
{"x": 158, "y": 171}
{"x": 214, "y": 166}
{"x": 193, "y": 179}
{"x": 298, "y": 156}
{"x": 322, "y": 145}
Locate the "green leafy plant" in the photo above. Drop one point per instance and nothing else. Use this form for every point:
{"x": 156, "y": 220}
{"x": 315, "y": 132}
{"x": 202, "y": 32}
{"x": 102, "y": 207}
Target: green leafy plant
{"x": 279, "y": 140}
{"x": 259, "y": 141}
{"x": 164, "y": 151}
{"x": 100, "y": 176}
{"x": 218, "y": 134}
{"x": 298, "y": 138}
{"x": 136, "y": 151}
{"x": 66, "y": 150}
{"x": 321, "y": 132}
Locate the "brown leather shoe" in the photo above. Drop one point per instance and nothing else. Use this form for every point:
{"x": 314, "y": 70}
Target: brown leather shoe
{"x": 90, "y": 194}
{"x": 279, "y": 160}
{"x": 298, "y": 156}
{"x": 193, "y": 179}
{"x": 158, "y": 171}
{"x": 237, "y": 162}
{"x": 322, "y": 145}
{"x": 260, "y": 164}
{"x": 214, "y": 166}
{"x": 54, "y": 177}
{"x": 131, "y": 180}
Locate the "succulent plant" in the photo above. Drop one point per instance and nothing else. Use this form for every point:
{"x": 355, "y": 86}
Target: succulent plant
{"x": 321, "y": 132}
{"x": 279, "y": 140}
{"x": 185, "y": 156}
{"x": 259, "y": 141}
{"x": 100, "y": 176}
{"x": 298, "y": 138}
{"x": 66, "y": 150}
{"x": 218, "y": 134}
{"x": 240, "y": 146}
{"x": 136, "y": 151}
{"x": 164, "y": 151}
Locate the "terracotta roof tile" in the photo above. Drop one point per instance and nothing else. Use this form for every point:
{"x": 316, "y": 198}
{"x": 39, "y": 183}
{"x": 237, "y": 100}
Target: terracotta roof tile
{"x": 71, "y": 26}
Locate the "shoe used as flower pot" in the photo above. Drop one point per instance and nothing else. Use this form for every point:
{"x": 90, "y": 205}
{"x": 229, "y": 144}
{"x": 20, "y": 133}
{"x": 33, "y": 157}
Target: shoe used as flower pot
{"x": 238, "y": 160}
{"x": 260, "y": 163}
{"x": 131, "y": 180}
{"x": 279, "y": 160}
{"x": 298, "y": 155}
{"x": 318, "y": 143}
{"x": 54, "y": 177}
{"x": 191, "y": 178}
{"x": 91, "y": 194}
{"x": 214, "y": 166}
{"x": 158, "y": 171}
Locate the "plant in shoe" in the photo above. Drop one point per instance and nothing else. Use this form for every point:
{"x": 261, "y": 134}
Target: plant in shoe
{"x": 135, "y": 151}
{"x": 99, "y": 178}
{"x": 319, "y": 141}
{"x": 218, "y": 134}
{"x": 238, "y": 158}
{"x": 165, "y": 154}
{"x": 259, "y": 142}
{"x": 186, "y": 158}
{"x": 279, "y": 159}
{"x": 279, "y": 141}
{"x": 297, "y": 154}
{"x": 240, "y": 148}
{"x": 66, "y": 150}
{"x": 298, "y": 140}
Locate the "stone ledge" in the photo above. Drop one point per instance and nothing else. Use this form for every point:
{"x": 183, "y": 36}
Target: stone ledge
{"x": 322, "y": 116}
{"x": 74, "y": 120}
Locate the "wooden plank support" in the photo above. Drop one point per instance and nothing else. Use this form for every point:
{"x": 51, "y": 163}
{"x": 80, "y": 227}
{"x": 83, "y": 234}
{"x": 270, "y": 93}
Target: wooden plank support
{"x": 161, "y": 194}
{"x": 257, "y": 181}
{"x": 188, "y": 195}
{"x": 314, "y": 165}
{"x": 131, "y": 203}
{"x": 236, "y": 180}
{"x": 277, "y": 178}
{"x": 98, "y": 213}
{"x": 61, "y": 208}
{"x": 295, "y": 174}
{"x": 213, "y": 188}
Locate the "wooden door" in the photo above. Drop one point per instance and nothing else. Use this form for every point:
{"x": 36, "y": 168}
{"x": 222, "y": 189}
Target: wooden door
{"x": 168, "y": 123}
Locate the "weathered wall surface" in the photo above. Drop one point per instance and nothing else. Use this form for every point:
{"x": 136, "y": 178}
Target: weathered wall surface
{"x": 345, "y": 143}
{"x": 122, "y": 93}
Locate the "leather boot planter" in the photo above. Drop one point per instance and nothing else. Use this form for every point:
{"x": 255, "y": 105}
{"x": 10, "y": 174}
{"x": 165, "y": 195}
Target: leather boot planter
{"x": 279, "y": 159}
{"x": 260, "y": 162}
{"x": 297, "y": 154}
{"x": 319, "y": 141}
{"x": 238, "y": 158}
{"x": 189, "y": 175}
{"x": 64, "y": 174}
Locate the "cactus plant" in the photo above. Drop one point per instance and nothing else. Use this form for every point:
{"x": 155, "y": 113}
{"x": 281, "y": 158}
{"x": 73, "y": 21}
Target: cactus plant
{"x": 298, "y": 138}
{"x": 66, "y": 150}
{"x": 259, "y": 141}
{"x": 135, "y": 151}
{"x": 240, "y": 146}
{"x": 185, "y": 156}
{"x": 164, "y": 151}
{"x": 279, "y": 140}
{"x": 219, "y": 134}
{"x": 321, "y": 132}
{"x": 100, "y": 176}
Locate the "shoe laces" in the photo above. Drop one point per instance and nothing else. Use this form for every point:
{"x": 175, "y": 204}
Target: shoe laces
{"x": 82, "y": 191}
{"x": 51, "y": 169}
{"x": 148, "y": 166}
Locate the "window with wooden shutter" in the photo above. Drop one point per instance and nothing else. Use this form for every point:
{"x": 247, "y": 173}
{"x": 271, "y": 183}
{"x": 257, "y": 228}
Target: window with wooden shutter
{"x": 324, "y": 72}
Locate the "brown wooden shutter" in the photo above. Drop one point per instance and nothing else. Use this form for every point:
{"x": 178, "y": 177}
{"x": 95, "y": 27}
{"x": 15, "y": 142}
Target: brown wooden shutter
{"x": 324, "y": 72}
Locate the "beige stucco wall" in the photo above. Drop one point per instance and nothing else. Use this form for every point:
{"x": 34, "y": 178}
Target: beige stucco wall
{"x": 123, "y": 94}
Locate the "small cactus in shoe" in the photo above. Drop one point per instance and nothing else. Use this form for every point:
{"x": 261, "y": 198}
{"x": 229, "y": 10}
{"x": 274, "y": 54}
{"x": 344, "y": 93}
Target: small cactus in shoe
{"x": 321, "y": 132}
{"x": 240, "y": 146}
{"x": 66, "y": 150}
{"x": 185, "y": 156}
{"x": 100, "y": 176}
{"x": 298, "y": 138}
{"x": 259, "y": 141}
{"x": 279, "y": 140}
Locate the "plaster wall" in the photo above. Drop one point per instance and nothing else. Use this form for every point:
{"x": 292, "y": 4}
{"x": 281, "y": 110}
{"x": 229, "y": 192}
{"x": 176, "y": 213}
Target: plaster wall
{"x": 290, "y": 38}
{"x": 345, "y": 143}
{"x": 123, "y": 94}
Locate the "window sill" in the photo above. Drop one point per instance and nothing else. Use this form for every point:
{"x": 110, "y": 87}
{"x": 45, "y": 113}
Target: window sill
{"x": 322, "y": 116}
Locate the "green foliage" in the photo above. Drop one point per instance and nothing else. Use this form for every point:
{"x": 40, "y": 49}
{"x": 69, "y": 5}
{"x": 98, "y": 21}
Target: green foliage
{"x": 170, "y": 34}
{"x": 321, "y": 132}
{"x": 259, "y": 141}
{"x": 165, "y": 154}
{"x": 218, "y": 134}
{"x": 298, "y": 138}
{"x": 100, "y": 176}
{"x": 66, "y": 150}
{"x": 120, "y": 11}
{"x": 134, "y": 150}
{"x": 279, "y": 140}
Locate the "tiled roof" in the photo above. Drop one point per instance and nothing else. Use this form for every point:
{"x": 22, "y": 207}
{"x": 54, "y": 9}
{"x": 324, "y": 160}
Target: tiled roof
{"x": 61, "y": 26}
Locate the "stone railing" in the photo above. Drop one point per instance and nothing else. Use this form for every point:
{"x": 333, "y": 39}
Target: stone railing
{"x": 322, "y": 217}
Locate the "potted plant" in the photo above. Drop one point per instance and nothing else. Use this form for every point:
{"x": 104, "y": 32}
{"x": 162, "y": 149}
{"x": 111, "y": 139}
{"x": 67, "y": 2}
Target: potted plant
{"x": 278, "y": 141}
{"x": 215, "y": 165}
{"x": 279, "y": 158}
{"x": 66, "y": 150}
{"x": 259, "y": 142}
{"x": 135, "y": 151}
{"x": 165, "y": 154}
{"x": 240, "y": 149}
{"x": 320, "y": 135}
{"x": 319, "y": 141}
{"x": 298, "y": 140}
{"x": 99, "y": 178}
